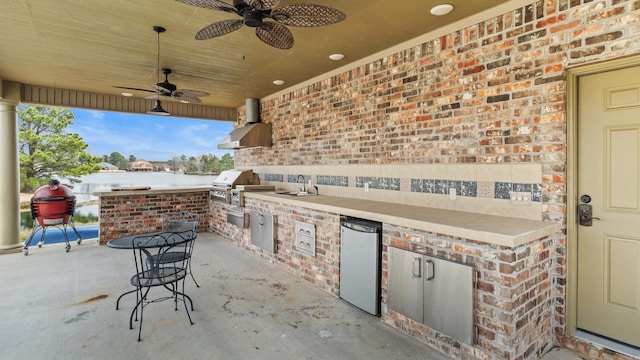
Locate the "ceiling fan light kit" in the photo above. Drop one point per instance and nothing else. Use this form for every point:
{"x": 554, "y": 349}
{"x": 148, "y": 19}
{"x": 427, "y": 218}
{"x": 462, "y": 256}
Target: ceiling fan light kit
{"x": 158, "y": 110}
{"x": 255, "y": 12}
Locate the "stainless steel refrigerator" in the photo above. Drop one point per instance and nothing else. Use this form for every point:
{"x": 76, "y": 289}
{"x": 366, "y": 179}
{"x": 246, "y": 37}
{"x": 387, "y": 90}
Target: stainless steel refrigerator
{"x": 360, "y": 245}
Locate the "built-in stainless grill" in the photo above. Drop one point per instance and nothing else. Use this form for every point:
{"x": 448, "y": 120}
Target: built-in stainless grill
{"x": 237, "y": 194}
{"x": 228, "y": 180}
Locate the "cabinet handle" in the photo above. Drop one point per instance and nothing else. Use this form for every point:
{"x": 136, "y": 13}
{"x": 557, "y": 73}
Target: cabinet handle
{"x": 429, "y": 270}
{"x": 415, "y": 268}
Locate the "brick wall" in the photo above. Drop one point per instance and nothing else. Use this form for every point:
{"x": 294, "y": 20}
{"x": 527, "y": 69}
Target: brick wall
{"x": 491, "y": 92}
{"x": 323, "y": 270}
{"x": 513, "y": 300}
{"x": 139, "y": 213}
{"x": 514, "y": 304}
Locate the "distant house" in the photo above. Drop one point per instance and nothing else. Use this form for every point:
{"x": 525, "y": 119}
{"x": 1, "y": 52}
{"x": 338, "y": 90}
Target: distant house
{"x": 107, "y": 167}
{"x": 161, "y": 167}
{"x": 140, "y": 165}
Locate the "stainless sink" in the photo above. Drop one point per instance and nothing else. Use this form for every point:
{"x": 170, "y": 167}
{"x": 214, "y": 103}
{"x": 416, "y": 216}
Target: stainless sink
{"x": 296, "y": 193}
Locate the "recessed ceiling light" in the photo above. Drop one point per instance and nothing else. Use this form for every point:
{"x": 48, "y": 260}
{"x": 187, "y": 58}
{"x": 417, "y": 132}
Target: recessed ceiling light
{"x": 442, "y": 9}
{"x": 336, "y": 57}
{"x": 127, "y": 94}
{"x": 278, "y": 82}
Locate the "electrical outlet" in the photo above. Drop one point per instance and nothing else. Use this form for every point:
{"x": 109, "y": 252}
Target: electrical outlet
{"x": 366, "y": 187}
{"x": 520, "y": 198}
{"x": 452, "y": 193}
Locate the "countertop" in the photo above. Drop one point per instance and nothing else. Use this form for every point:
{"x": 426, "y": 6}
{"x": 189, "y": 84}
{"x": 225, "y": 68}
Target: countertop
{"x": 145, "y": 191}
{"x": 499, "y": 230}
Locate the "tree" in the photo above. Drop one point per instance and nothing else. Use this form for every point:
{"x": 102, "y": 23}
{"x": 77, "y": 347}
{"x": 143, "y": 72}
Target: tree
{"x": 192, "y": 165}
{"x": 132, "y": 158}
{"x": 46, "y": 149}
{"x": 118, "y": 160}
{"x": 207, "y": 163}
{"x": 226, "y": 162}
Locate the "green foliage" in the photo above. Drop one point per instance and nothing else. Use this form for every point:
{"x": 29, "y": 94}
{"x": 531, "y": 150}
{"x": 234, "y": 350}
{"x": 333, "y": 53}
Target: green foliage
{"x": 116, "y": 159}
{"x": 209, "y": 163}
{"x": 46, "y": 149}
{"x": 226, "y": 162}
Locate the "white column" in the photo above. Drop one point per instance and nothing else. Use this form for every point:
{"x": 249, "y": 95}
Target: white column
{"x": 9, "y": 179}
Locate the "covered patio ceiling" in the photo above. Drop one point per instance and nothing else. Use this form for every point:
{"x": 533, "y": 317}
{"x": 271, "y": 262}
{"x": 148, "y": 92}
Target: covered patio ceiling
{"x": 94, "y": 45}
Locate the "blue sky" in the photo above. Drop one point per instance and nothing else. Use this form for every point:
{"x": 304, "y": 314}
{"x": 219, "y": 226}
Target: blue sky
{"x": 148, "y": 137}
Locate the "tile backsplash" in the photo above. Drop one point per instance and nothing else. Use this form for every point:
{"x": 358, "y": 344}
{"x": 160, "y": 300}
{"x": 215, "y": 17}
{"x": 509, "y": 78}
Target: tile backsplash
{"x": 483, "y": 188}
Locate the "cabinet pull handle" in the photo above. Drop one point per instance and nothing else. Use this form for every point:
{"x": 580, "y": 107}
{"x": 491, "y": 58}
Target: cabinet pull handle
{"x": 429, "y": 270}
{"x": 415, "y": 268}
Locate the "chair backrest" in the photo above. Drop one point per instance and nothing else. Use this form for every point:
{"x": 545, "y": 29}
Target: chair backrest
{"x": 180, "y": 221}
{"x": 151, "y": 253}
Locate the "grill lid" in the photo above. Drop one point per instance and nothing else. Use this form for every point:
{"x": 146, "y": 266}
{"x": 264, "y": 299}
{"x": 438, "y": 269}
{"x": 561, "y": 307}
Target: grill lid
{"x": 231, "y": 178}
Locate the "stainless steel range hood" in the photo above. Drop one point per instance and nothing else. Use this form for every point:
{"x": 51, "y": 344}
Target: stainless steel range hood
{"x": 251, "y": 135}
{"x": 254, "y": 134}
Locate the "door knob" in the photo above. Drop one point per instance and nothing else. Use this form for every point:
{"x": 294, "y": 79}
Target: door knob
{"x": 585, "y": 215}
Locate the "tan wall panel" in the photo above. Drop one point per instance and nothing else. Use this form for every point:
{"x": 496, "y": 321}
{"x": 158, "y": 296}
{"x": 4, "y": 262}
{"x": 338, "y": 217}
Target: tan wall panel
{"x": 85, "y": 100}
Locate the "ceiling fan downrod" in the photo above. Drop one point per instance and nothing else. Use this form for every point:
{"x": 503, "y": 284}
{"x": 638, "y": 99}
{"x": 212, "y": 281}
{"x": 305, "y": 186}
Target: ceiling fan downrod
{"x": 157, "y": 109}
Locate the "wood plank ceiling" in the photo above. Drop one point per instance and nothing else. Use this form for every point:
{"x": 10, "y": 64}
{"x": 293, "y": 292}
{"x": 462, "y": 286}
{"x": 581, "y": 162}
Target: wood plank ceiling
{"x": 93, "y": 45}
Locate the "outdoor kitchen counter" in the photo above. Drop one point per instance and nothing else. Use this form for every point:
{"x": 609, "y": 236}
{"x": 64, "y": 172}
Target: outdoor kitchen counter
{"x": 499, "y": 230}
{"x": 146, "y": 190}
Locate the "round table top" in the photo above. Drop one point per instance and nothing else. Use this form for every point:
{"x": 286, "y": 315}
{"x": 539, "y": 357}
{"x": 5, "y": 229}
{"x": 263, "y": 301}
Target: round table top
{"x": 152, "y": 239}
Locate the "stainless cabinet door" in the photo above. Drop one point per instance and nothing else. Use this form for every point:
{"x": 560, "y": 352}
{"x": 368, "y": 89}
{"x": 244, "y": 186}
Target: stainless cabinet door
{"x": 405, "y": 283}
{"x": 448, "y": 298}
{"x": 262, "y": 231}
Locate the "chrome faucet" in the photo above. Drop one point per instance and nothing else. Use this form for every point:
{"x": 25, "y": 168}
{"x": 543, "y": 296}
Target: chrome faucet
{"x": 302, "y": 189}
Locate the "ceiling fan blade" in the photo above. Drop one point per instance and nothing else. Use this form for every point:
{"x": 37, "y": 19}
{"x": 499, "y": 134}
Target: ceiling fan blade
{"x": 189, "y": 93}
{"x": 218, "y": 29}
{"x": 210, "y": 4}
{"x": 307, "y": 15}
{"x": 276, "y": 35}
{"x": 188, "y": 99}
{"x": 262, "y": 4}
{"x": 162, "y": 90}
{"x": 131, "y": 88}
{"x": 156, "y": 97}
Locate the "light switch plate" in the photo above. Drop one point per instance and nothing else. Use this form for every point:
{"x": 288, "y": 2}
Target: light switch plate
{"x": 520, "y": 198}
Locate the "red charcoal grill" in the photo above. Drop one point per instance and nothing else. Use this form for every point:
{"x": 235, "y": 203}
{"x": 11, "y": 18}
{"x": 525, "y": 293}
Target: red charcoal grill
{"x": 52, "y": 205}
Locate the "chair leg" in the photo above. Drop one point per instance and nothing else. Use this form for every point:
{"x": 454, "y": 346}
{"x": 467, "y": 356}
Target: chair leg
{"x": 185, "y": 302}
{"x": 140, "y": 298}
{"x": 120, "y": 297}
{"x": 140, "y": 324}
{"x": 139, "y": 305}
{"x": 191, "y": 273}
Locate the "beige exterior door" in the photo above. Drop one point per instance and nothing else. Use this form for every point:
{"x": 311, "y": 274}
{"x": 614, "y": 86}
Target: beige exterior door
{"x": 609, "y": 173}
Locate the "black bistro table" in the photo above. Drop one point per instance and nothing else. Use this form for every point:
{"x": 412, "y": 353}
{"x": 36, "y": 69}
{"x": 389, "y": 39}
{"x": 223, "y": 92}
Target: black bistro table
{"x": 152, "y": 239}
{"x": 149, "y": 240}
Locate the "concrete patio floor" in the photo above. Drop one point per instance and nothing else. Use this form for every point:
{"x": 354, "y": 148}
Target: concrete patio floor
{"x": 59, "y": 305}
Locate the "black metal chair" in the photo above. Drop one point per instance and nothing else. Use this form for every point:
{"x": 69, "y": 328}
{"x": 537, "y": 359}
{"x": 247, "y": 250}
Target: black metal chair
{"x": 152, "y": 271}
{"x": 178, "y": 222}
